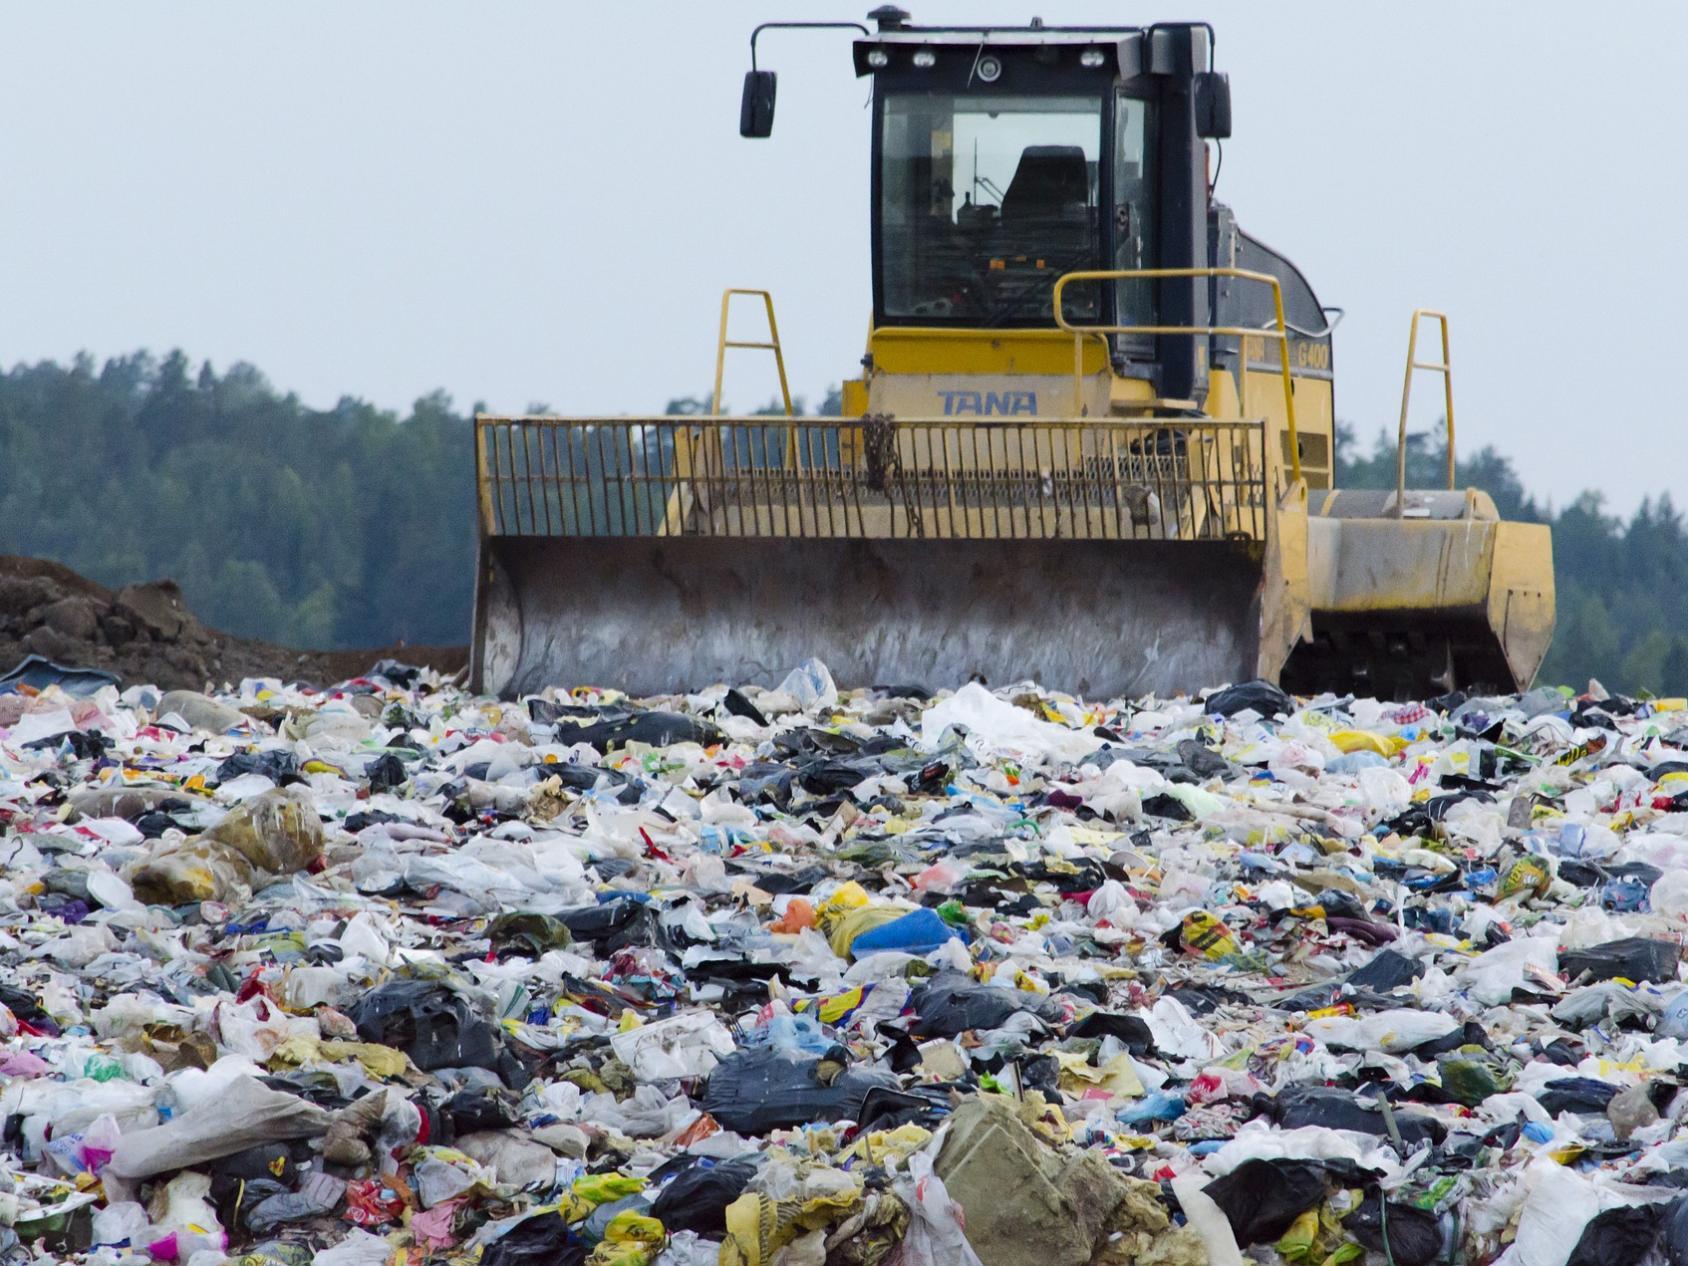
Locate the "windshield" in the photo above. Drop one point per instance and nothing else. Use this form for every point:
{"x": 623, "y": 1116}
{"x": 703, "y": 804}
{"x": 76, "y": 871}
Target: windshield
{"x": 984, "y": 202}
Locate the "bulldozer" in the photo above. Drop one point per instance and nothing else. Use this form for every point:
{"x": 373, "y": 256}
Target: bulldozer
{"x": 1092, "y": 442}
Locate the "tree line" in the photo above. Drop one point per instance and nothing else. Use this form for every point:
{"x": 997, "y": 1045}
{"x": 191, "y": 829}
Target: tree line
{"x": 354, "y": 525}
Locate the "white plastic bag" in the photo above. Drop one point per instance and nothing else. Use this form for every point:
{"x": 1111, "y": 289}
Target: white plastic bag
{"x": 122, "y": 1221}
{"x": 1557, "y": 1209}
{"x": 1393, "y": 1031}
{"x": 685, "y": 1045}
{"x": 1494, "y": 974}
{"x": 936, "y": 1236}
{"x": 810, "y": 685}
{"x": 1000, "y": 726}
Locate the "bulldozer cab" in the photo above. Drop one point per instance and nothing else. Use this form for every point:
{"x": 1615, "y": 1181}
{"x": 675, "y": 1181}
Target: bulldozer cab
{"x": 1004, "y": 159}
{"x": 1001, "y": 162}
{"x": 1092, "y": 442}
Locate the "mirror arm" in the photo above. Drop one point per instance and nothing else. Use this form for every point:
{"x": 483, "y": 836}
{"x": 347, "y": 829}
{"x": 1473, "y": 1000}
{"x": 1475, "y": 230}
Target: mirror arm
{"x": 810, "y": 26}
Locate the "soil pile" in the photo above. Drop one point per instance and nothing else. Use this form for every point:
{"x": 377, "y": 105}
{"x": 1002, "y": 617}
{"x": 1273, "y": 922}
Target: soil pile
{"x": 146, "y": 633}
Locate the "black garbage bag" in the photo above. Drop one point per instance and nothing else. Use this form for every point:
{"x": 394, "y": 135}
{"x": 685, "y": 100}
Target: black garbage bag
{"x": 1261, "y": 1198}
{"x": 396, "y": 671}
{"x": 660, "y": 729}
{"x": 528, "y": 934}
{"x": 542, "y": 1240}
{"x": 479, "y": 1108}
{"x": 1414, "y": 1235}
{"x": 950, "y": 1004}
{"x": 1637, "y": 958}
{"x": 266, "y": 1160}
{"x": 1296, "y": 1106}
{"x": 884, "y": 1109}
{"x": 766, "y": 782}
{"x": 1202, "y": 760}
{"x": 1674, "y": 1223}
{"x": 1129, "y": 1029}
{"x": 696, "y": 1198}
{"x": 1262, "y": 696}
{"x": 548, "y": 712}
{"x": 1576, "y": 1094}
{"x": 428, "y": 1022}
{"x": 1388, "y": 970}
{"x": 737, "y": 705}
{"x": 781, "y": 882}
{"x": 826, "y": 777}
{"x": 384, "y": 773}
{"x": 760, "y": 1089}
{"x": 279, "y": 765}
{"x": 1619, "y": 1237}
{"x": 1162, "y": 805}
{"x": 613, "y": 925}
{"x": 1469, "y": 1034}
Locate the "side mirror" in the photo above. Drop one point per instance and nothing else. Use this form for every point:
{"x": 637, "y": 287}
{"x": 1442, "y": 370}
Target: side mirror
{"x": 1213, "y": 105}
{"x": 756, "y": 108}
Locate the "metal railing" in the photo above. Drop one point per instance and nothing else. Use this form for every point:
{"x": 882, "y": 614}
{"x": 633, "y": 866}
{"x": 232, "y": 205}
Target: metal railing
{"x": 1156, "y": 479}
{"x": 1280, "y": 334}
{"x": 1447, "y": 371}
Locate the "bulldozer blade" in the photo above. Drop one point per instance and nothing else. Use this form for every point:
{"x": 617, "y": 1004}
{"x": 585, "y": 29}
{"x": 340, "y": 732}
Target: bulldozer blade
{"x": 660, "y": 615}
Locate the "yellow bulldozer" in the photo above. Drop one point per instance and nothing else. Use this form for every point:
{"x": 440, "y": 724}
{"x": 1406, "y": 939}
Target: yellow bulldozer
{"x": 1092, "y": 443}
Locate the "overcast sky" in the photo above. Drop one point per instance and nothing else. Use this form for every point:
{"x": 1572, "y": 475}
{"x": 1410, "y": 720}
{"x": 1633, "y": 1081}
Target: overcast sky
{"x": 527, "y": 202}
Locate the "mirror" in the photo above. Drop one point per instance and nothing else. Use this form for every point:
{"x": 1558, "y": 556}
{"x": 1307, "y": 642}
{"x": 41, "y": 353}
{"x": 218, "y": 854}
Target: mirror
{"x": 756, "y": 108}
{"x": 1213, "y": 105}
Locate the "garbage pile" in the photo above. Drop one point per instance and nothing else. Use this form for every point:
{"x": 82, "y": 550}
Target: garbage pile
{"x": 812, "y": 977}
{"x": 51, "y": 618}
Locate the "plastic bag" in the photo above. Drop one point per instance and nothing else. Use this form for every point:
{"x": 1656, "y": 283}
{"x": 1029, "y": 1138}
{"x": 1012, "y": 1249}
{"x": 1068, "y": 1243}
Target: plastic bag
{"x": 936, "y": 1233}
{"x": 917, "y": 932}
{"x": 1413, "y": 1236}
{"x": 659, "y": 729}
{"x": 1390, "y": 1031}
{"x": 1262, "y": 1198}
{"x": 949, "y": 1005}
{"x": 690, "y": 1044}
{"x": 810, "y": 685}
{"x": 1559, "y": 1206}
{"x": 997, "y": 725}
{"x": 245, "y": 1113}
{"x": 1636, "y": 958}
{"x": 428, "y": 1022}
{"x": 1494, "y": 974}
{"x": 696, "y": 1198}
{"x": 273, "y": 834}
{"x": 754, "y": 1091}
{"x": 1257, "y": 696}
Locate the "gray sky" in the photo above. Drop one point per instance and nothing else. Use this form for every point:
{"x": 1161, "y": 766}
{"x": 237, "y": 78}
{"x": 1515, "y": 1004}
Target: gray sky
{"x": 530, "y": 202}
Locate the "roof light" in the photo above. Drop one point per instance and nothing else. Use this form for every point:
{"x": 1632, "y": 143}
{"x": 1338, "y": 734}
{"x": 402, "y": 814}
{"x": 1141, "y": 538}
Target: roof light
{"x": 878, "y": 58}
{"x": 990, "y": 70}
{"x": 1090, "y": 57}
{"x": 925, "y": 58}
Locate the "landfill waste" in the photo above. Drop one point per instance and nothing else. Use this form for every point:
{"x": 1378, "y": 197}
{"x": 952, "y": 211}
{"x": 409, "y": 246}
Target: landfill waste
{"x": 382, "y": 971}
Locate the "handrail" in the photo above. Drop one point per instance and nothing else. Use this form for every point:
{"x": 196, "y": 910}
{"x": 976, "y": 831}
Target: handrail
{"x": 772, "y": 345}
{"x": 1281, "y": 334}
{"x": 705, "y": 458}
{"x": 1447, "y": 372}
{"x": 911, "y": 477}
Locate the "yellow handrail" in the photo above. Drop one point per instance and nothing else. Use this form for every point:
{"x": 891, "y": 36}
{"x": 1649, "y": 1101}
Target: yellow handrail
{"x": 1447, "y": 372}
{"x": 706, "y": 458}
{"x": 772, "y": 345}
{"x": 1281, "y": 334}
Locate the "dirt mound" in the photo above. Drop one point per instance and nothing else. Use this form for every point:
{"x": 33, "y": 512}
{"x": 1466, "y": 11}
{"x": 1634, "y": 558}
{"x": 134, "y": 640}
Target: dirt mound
{"x": 145, "y": 633}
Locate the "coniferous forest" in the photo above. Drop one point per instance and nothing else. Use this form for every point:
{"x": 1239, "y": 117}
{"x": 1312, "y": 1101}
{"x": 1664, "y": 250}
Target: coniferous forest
{"x": 353, "y": 526}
